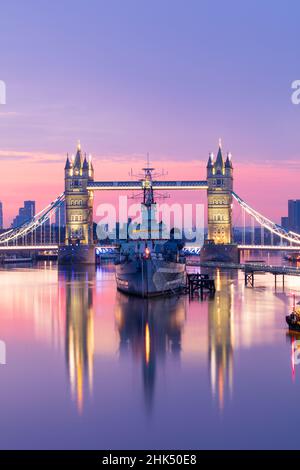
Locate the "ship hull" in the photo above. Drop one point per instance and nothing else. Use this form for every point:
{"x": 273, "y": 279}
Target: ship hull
{"x": 147, "y": 277}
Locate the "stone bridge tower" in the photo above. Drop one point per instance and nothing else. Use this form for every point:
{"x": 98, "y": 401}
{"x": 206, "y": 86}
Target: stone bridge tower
{"x": 219, "y": 198}
{"x": 79, "y": 211}
{"x": 219, "y": 246}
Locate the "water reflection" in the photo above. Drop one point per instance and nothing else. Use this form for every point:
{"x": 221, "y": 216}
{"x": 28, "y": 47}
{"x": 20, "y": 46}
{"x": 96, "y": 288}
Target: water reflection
{"x": 294, "y": 340}
{"x": 79, "y": 333}
{"x": 220, "y": 337}
{"x": 150, "y": 330}
{"x": 155, "y": 368}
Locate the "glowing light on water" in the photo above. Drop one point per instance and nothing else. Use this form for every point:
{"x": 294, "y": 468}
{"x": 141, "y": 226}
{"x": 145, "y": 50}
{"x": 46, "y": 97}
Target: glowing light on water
{"x": 147, "y": 344}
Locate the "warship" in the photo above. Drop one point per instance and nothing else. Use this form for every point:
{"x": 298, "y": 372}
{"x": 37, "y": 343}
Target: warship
{"x": 146, "y": 266}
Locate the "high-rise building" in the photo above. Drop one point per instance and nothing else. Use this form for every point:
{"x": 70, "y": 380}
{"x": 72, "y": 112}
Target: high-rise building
{"x": 60, "y": 215}
{"x": 285, "y": 223}
{"x": 292, "y": 221}
{"x": 1, "y": 216}
{"x": 29, "y": 208}
{"x": 25, "y": 213}
{"x": 294, "y": 215}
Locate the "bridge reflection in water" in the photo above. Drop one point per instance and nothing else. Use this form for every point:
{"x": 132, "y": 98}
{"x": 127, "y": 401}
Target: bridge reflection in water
{"x": 99, "y": 368}
{"x": 149, "y": 331}
{"x": 220, "y": 338}
{"x": 79, "y": 332}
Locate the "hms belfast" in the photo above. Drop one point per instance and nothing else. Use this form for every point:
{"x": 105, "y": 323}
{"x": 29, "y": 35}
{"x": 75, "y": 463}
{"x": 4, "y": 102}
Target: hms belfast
{"x": 149, "y": 266}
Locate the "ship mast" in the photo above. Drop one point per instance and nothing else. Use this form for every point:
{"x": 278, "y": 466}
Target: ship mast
{"x": 148, "y": 210}
{"x": 148, "y": 194}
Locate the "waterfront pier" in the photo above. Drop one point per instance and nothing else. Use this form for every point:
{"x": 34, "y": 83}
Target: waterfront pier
{"x": 198, "y": 283}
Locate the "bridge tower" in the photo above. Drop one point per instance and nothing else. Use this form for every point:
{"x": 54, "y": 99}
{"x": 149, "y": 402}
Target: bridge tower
{"x": 219, "y": 246}
{"x": 79, "y": 211}
{"x": 219, "y": 198}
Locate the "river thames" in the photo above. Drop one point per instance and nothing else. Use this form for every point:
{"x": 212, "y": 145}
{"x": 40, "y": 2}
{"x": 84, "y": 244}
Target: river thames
{"x": 89, "y": 368}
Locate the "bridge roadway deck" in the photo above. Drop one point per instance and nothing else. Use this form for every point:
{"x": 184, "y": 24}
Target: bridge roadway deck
{"x": 193, "y": 249}
{"x": 270, "y": 247}
{"x": 48, "y": 247}
{"x": 247, "y": 267}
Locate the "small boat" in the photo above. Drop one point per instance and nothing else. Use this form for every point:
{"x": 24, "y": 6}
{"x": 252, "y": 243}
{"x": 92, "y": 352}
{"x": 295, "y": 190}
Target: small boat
{"x": 293, "y": 319}
{"x": 292, "y": 257}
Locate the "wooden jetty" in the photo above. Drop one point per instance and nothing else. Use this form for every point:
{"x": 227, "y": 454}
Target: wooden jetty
{"x": 198, "y": 283}
{"x": 252, "y": 268}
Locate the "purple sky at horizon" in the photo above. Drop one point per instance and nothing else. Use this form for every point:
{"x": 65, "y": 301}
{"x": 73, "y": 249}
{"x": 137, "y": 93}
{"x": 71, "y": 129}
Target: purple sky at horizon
{"x": 167, "y": 77}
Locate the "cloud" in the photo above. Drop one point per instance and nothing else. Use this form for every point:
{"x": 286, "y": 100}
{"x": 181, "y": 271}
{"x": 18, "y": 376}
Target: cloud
{"x": 135, "y": 160}
{"x": 7, "y": 114}
{"x": 35, "y": 157}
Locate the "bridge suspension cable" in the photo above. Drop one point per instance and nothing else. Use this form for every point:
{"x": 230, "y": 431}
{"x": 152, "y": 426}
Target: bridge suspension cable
{"x": 37, "y": 221}
{"x": 263, "y": 221}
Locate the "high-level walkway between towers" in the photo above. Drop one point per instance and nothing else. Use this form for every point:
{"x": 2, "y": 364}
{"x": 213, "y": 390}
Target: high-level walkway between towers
{"x": 19, "y": 234}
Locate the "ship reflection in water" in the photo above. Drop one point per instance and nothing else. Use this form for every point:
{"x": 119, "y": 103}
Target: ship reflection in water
{"x": 150, "y": 329}
{"x": 89, "y": 367}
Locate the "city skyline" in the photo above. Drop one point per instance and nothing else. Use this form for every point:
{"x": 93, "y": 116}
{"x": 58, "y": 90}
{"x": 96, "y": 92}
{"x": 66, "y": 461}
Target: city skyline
{"x": 125, "y": 91}
{"x": 281, "y": 183}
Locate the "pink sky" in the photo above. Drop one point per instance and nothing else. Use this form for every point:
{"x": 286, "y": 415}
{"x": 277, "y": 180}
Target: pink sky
{"x": 149, "y": 76}
{"x": 265, "y": 186}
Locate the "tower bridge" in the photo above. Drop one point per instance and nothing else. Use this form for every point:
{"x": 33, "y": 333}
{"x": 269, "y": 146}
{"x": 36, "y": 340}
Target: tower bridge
{"x": 78, "y": 243}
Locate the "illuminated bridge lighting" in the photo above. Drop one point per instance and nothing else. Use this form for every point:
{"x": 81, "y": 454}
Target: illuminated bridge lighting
{"x": 138, "y": 185}
{"x": 191, "y": 250}
{"x": 269, "y": 247}
{"x": 105, "y": 250}
{"x": 29, "y": 247}
{"x": 13, "y": 235}
{"x": 111, "y": 250}
{"x": 267, "y": 223}
{"x": 37, "y": 221}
